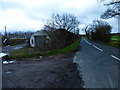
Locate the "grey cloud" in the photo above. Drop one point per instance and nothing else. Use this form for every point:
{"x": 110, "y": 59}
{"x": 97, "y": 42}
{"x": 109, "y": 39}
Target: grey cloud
{"x": 10, "y": 5}
{"x": 45, "y": 10}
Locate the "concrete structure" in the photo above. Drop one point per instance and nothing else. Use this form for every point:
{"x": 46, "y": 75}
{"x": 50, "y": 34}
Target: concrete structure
{"x": 39, "y": 38}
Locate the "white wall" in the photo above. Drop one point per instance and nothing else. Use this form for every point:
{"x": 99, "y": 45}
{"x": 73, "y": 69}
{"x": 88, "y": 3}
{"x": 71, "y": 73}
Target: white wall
{"x": 32, "y": 41}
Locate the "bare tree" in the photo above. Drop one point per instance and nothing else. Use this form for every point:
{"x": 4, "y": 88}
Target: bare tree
{"x": 113, "y": 9}
{"x": 20, "y": 34}
{"x": 65, "y": 21}
{"x": 100, "y": 30}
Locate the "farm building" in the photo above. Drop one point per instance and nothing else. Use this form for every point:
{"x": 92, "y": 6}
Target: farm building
{"x": 38, "y": 39}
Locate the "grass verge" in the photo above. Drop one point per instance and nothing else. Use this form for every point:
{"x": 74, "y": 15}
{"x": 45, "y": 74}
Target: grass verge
{"x": 115, "y": 41}
{"x": 116, "y": 37}
{"x": 70, "y": 48}
{"x": 23, "y": 52}
{"x": 113, "y": 44}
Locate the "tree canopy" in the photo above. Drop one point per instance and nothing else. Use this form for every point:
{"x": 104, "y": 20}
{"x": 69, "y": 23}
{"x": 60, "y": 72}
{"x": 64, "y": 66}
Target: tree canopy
{"x": 100, "y": 30}
{"x": 65, "y": 21}
{"x": 113, "y": 9}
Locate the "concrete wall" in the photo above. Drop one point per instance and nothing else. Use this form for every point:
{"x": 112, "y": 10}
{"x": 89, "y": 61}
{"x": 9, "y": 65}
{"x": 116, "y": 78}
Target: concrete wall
{"x": 38, "y": 40}
{"x": 32, "y": 41}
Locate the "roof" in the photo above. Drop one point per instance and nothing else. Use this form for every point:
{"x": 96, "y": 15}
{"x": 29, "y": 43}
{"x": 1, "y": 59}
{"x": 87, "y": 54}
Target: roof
{"x": 39, "y": 33}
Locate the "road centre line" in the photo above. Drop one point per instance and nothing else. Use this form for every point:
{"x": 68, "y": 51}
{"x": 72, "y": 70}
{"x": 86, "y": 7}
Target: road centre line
{"x": 97, "y": 48}
{"x": 115, "y": 57}
{"x": 101, "y": 50}
{"x": 87, "y": 42}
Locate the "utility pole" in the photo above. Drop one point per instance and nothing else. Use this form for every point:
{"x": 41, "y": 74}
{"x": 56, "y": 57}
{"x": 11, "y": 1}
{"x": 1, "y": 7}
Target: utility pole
{"x": 5, "y": 32}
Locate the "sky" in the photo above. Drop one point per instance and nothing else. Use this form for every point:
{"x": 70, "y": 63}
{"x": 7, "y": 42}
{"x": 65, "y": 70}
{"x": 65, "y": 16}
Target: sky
{"x": 30, "y": 15}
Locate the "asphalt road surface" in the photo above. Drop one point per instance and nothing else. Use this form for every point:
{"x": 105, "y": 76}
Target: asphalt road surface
{"x": 98, "y": 64}
{"x": 7, "y": 49}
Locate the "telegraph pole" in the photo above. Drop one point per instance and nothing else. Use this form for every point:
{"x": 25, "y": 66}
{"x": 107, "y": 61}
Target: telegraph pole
{"x": 5, "y": 32}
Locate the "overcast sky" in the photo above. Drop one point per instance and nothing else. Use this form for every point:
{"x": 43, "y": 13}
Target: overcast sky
{"x": 26, "y": 15}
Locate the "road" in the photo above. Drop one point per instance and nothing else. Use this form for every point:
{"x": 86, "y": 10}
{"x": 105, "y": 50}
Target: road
{"x": 98, "y": 64}
{"x": 7, "y": 49}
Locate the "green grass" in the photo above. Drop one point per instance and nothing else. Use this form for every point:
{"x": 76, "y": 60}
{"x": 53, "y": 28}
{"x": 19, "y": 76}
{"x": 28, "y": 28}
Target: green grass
{"x": 21, "y": 55}
{"x": 116, "y": 45}
{"x": 70, "y": 48}
{"x": 115, "y": 41}
{"x": 116, "y": 37}
{"x": 24, "y": 53}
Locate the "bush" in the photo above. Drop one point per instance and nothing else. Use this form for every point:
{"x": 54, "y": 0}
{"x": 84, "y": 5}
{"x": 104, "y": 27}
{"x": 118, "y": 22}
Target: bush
{"x": 70, "y": 48}
{"x": 101, "y": 31}
{"x": 61, "y": 38}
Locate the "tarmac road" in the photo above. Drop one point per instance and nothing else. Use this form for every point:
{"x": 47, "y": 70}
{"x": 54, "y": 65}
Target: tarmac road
{"x": 98, "y": 64}
{"x": 8, "y": 49}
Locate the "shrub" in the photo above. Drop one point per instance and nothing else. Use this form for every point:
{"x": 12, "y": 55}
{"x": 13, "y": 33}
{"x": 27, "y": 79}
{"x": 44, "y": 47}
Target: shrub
{"x": 61, "y": 38}
{"x": 100, "y": 31}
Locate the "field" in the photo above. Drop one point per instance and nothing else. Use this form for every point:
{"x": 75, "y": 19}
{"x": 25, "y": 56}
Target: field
{"x": 116, "y": 37}
{"x": 115, "y": 41}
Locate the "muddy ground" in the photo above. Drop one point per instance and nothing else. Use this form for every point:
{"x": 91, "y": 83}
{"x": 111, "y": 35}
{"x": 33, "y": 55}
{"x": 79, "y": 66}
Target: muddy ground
{"x": 51, "y": 72}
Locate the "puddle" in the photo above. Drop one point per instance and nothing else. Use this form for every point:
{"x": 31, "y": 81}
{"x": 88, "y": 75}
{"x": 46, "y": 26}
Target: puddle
{"x": 7, "y": 62}
{"x": 12, "y": 61}
{"x": 8, "y": 72}
{"x": 17, "y": 48}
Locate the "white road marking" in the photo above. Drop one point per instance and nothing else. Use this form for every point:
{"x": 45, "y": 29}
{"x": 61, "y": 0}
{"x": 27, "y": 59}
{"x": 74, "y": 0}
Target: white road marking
{"x": 115, "y": 57}
{"x": 97, "y": 48}
{"x": 74, "y": 59}
{"x": 87, "y": 42}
